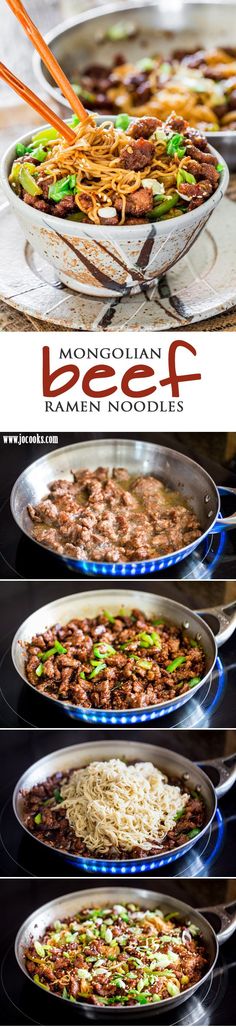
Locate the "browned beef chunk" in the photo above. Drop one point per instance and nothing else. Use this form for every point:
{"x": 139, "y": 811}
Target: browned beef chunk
{"x": 138, "y": 203}
{"x": 231, "y": 101}
{"x": 44, "y": 182}
{"x": 201, "y": 191}
{"x": 176, "y": 123}
{"x": 144, "y": 127}
{"x": 137, "y": 155}
{"x": 64, "y": 207}
{"x": 35, "y": 201}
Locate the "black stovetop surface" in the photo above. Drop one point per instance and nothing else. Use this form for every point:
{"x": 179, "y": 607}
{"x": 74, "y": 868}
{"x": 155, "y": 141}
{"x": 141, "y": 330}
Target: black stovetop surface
{"x": 21, "y": 855}
{"x": 22, "y": 558}
{"x": 213, "y": 1003}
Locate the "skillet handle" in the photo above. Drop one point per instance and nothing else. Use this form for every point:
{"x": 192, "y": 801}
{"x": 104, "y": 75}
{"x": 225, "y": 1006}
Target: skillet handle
{"x": 226, "y": 914}
{"x": 225, "y": 522}
{"x": 226, "y": 768}
{"x": 225, "y": 618}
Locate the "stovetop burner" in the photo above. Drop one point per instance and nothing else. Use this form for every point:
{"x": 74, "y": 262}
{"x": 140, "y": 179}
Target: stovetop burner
{"x": 207, "y": 1007}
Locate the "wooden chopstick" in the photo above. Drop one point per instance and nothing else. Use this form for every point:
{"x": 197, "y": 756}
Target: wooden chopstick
{"x": 38, "y": 105}
{"x": 49, "y": 59}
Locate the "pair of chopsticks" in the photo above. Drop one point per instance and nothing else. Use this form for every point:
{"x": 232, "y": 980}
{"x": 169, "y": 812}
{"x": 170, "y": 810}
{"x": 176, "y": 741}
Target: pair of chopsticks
{"x": 52, "y": 64}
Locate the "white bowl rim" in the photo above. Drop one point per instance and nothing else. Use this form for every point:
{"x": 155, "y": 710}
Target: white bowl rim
{"x": 123, "y": 230}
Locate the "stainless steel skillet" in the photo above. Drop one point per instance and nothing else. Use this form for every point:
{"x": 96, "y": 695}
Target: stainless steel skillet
{"x": 68, "y": 905}
{"x": 89, "y": 604}
{"x": 174, "y": 765}
{"x": 175, "y": 469}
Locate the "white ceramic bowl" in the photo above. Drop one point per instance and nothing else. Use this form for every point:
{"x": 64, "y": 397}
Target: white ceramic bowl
{"x": 114, "y": 261}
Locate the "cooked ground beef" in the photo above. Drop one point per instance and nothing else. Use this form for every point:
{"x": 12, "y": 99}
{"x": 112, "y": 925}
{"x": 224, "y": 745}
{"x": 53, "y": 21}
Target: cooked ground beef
{"x": 51, "y": 826}
{"x": 137, "y": 155}
{"x": 118, "y": 955}
{"x": 120, "y": 662}
{"x": 113, "y": 517}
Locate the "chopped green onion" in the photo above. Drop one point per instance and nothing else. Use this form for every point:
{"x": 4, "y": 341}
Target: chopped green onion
{"x": 100, "y": 666}
{"x": 74, "y": 121}
{"x": 39, "y": 153}
{"x": 185, "y": 176}
{"x": 170, "y": 916}
{"x": 175, "y": 663}
{"x": 36, "y": 979}
{"x": 27, "y": 181}
{"x": 121, "y": 30}
{"x": 20, "y": 150}
{"x": 82, "y": 674}
{"x": 173, "y": 989}
{"x": 77, "y": 216}
{"x": 163, "y": 207}
{"x": 122, "y": 121}
{"x": 39, "y": 670}
{"x": 193, "y": 833}
{"x": 193, "y": 681}
{"x": 63, "y": 187}
{"x": 108, "y": 651}
{"x": 109, "y": 616}
{"x": 57, "y": 796}
{"x": 174, "y": 145}
{"x": 59, "y": 647}
{"x": 45, "y": 134}
{"x": 39, "y": 948}
{"x": 118, "y": 982}
{"x": 193, "y": 929}
{"x": 145, "y": 64}
{"x": 156, "y": 639}
{"x": 38, "y": 818}
{"x": 179, "y": 814}
{"x": 220, "y": 167}
{"x": 80, "y": 91}
{"x": 145, "y": 664}
{"x": 65, "y": 993}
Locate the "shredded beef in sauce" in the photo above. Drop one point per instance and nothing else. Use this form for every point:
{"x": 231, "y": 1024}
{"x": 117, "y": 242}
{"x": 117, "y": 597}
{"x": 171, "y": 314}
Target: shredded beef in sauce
{"x": 114, "y": 662}
{"x": 52, "y": 827}
{"x": 118, "y": 955}
{"x": 114, "y": 518}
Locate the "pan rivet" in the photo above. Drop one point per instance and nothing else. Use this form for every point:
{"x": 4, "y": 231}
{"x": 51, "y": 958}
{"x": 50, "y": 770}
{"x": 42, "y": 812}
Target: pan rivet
{"x": 186, "y": 624}
{"x": 206, "y": 499}
{"x": 198, "y": 637}
{"x": 210, "y": 513}
{"x": 185, "y": 777}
